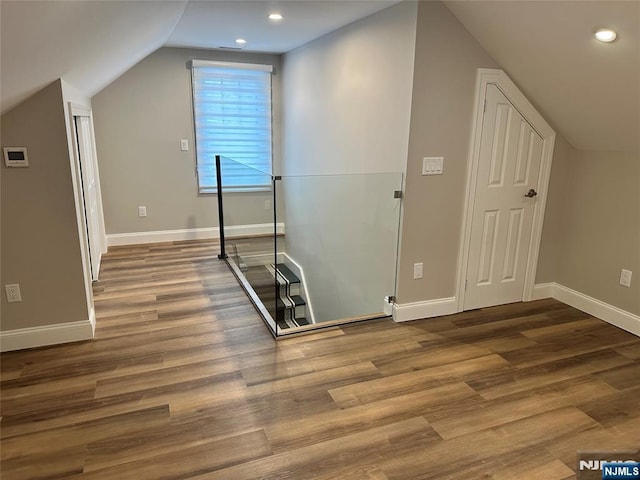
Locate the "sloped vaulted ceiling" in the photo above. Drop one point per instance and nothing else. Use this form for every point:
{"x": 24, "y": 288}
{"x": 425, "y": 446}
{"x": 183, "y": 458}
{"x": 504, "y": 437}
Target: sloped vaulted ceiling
{"x": 219, "y": 23}
{"x": 88, "y": 43}
{"x": 589, "y": 90}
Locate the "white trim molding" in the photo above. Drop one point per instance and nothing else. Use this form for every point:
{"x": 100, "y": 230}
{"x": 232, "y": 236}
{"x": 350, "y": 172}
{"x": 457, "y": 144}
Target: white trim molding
{"x": 427, "y": 309}
{"x": 242, "y": 66}
{"x": 597, "y": 308}
{"x": 48, "y": 334}
{"x": 137, "y": 238}
{"x": 543, "y": 290}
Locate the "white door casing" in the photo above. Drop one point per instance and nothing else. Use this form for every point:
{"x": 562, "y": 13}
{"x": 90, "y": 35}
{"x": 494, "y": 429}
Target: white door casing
{"x": 90, "y": 192}
{"x": 512, "y": 148}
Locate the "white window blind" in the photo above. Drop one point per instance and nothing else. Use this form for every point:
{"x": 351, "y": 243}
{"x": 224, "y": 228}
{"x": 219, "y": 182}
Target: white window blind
{"x": 232, "y": 115}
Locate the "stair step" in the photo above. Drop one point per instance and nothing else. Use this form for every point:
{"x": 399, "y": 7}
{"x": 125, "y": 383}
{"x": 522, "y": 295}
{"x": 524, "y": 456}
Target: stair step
{"x": 287, "y": 273}
{"x": 286, "y": 324}
{"x": 282, "y": 325}
{"x": 298, "y": 301}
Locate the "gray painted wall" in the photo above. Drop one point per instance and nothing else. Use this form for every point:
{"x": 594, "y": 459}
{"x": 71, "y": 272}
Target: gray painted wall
{"x": 40, "y": 243}
{"x": 447, "y": 58}
{"x": 601, "y": 233}
{"x": 139, "y": 121}
{"x": 592, "y": 219}
{"x": 551, "y": 244}
{"x": 347, "y": 99}
{"x": 600, "y": 228}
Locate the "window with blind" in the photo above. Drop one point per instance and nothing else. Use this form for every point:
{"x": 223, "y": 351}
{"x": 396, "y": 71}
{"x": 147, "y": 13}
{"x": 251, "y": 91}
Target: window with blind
{"x": 232, "y": 116}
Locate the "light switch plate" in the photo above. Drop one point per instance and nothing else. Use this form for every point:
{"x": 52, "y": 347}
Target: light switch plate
{"x": 417, "y": 270}
{"x": 432, "y": 165}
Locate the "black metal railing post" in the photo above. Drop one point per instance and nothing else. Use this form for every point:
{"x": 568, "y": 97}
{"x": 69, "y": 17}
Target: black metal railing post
{"x": 223, "y": 253}
{"x": 276, "y": 285}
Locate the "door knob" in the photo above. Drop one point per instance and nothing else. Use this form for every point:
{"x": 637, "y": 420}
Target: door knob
{"x": 531, "y": 193}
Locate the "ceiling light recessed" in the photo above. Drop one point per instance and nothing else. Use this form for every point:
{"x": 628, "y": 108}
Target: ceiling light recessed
{"x": 240, "y": 41}
{"x": 275, "y": 16}
{"x": 606, "y": 35}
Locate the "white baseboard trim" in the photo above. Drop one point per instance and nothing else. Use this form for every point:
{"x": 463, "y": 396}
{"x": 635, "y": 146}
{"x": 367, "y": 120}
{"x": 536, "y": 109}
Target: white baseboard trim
{"x": 48, "y": 334}
{"x": 160, "y": 236}
{"x": 599, "y": 309}
{"x": 543, "y": 290}
{"x": 427, "y": 309}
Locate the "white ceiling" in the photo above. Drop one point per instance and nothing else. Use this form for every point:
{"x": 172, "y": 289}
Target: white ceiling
{"x": 90, "y": 43}
{"x": 589, "y": 91}
{"x": 217, "y": 24}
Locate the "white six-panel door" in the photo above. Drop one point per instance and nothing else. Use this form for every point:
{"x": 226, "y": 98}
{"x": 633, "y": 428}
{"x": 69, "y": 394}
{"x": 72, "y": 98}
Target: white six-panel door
{"x": 506, "y": 191}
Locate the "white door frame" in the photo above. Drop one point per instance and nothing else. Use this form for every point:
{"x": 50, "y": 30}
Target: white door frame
{"x": 508, "y": 88}
{"x": 78, "y": 110}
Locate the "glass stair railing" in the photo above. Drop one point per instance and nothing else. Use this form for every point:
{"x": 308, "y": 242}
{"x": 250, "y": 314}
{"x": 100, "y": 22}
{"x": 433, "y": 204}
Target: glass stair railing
{"x": 311, "y": 251}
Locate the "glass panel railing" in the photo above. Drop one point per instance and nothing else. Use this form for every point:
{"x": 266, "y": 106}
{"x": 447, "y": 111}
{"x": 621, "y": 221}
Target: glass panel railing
{"x": 247, "y": 232}
{"x": 337, "y": 258}
{"x": 311, "y": 251}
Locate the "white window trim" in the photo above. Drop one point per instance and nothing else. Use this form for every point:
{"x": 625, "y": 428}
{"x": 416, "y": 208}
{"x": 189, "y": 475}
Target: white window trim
{"x": 241, "y": 66}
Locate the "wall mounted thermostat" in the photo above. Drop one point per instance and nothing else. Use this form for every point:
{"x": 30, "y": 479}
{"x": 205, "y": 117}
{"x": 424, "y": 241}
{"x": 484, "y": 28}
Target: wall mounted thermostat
{"x": 16, "y": 157}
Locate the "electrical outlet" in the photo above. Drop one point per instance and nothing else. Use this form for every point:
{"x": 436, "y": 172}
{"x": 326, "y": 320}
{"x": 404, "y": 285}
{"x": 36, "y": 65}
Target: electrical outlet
{"x": 417, "y": 270}
{"x": 184, "y": 145}
{"x": 142, "y": 211}
{"x": 625, "y": 278}
{"x": 13, "y": 293}
{"x": 267, "y": 204}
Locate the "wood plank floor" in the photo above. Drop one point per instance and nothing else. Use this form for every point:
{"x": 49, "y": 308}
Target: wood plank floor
{"x": 183, "y": 381}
